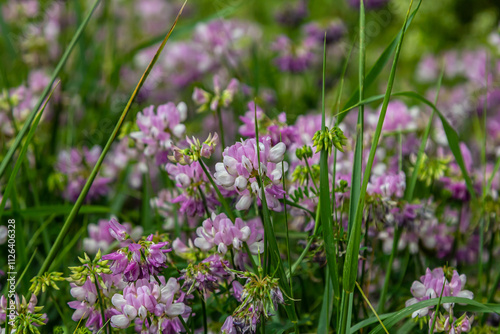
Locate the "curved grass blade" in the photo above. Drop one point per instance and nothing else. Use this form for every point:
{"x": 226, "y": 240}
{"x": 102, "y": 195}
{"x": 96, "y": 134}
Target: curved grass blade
{"x": 451, "y": 135}
{"x": 371, "y": 307}
{"x": 351, "y": 260}
{"x": 471, "y": 306}
{"x": 380, "y": 63}
{"x": 400, "y": 315}
{"x": 43, "y": 211}
{"x": 20, "y": 159}
{"x": 50, "y": 257}
{"x": 46, "y": 91}
{"x": 423, "y": 143}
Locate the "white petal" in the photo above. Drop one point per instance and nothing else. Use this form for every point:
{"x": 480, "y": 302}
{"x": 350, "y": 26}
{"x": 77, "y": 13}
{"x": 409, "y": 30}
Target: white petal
{"x": 176, "y": 309}
{"x": 277, "y": 153}
{"x": 120, "y": 321}
{"x": 118, "y": 301}
{"x": 244, "y": 202}
{"x": 418, "y": 289}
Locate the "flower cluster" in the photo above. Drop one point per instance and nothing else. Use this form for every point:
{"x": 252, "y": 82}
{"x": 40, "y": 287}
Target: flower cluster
{"x": 205, "y": 275}
{"x": 259, "y": 298}
{"x": 220, "y": 231}
{"x": 219, "y": 98}
{"x": 157, "y": 128}
{"x": 142, "y": 259}
{"x": 195, "y": 151}
{"x": 101, "y": 235}
{"x": 240, "y": 170}
{"x": 151, "y": 304}
{"x": 196, "y": 190}
{"x": 436, "y": 283}
{"x": 22, "y": 316}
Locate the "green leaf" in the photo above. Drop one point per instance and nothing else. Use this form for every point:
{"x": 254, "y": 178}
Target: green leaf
{"x": 413, "y": 180}
{"x": 324, "y": 200}
{"x": 351, "y": 260}
{"x": 398, "y": 316}
{"x": 379, "y": 64}
{"x": 451, "y": 136}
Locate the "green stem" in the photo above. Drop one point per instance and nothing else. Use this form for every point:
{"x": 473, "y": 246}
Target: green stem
{"x": 437, "y": 308}
{"x": 311, "y": 175}
{"x": 101, "y": 304}
{"x": 383, "y": 294}
{"x": 351, "y": 259}
{"x": 204, "y": 310}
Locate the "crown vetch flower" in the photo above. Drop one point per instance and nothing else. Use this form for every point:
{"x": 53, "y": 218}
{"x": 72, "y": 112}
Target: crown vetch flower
{"x": 151, "y": 303}
{"x": 277, "y": 129}
{"x": 240, "y": 168}
{"x": 158, "y": 127}
{"x": 259, "y": 298}
{"x": 220, "y": 231}
{"x": 24, "y": 315}
{"x": 433, "y": 284}
{"x": 195, "y": 189}
{"x": 139, "y": 260}
{"x": 219, "y": 98}
{"x": 205, "y": 275}
{"x": 100, "y": 236}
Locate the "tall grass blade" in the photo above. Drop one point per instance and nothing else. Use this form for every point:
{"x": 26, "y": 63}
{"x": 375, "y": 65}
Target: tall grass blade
{"x": 46, "y": 91}
{"x": 324, "y": 200}
{"x": 413, "y": 180}
{"x": 470, "y": 306}
{"x": 380, "y": 63}
{"x": 402, "y": 314}
{"x": 371, "y": 307}
{"x": 358, "y": 151}
{"x": 57, "y": 244}
{"x": 451, "y": 135}
{"x": 351, "y": 260}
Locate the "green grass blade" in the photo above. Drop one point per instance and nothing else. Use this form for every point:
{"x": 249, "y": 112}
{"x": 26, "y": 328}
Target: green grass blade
{"x": 42, "y": 211}
{"x": 358, "y": 151}
{"x": 451, "y": 135}
{"x": 46, "y": 91}
{"x": 324, "y": 200}
{"x": 413, "y": 180}
{"x": 402, "y": 314}
{"x": 55, "y": 248}
{"x": 326, "y": 307}
{"x": 351, "y": 260}
{"x": 22, "y": 155}
{"x": 395, "y": 317}
{"x": 371, "y": 307}
{"x": 380, "y": 63}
